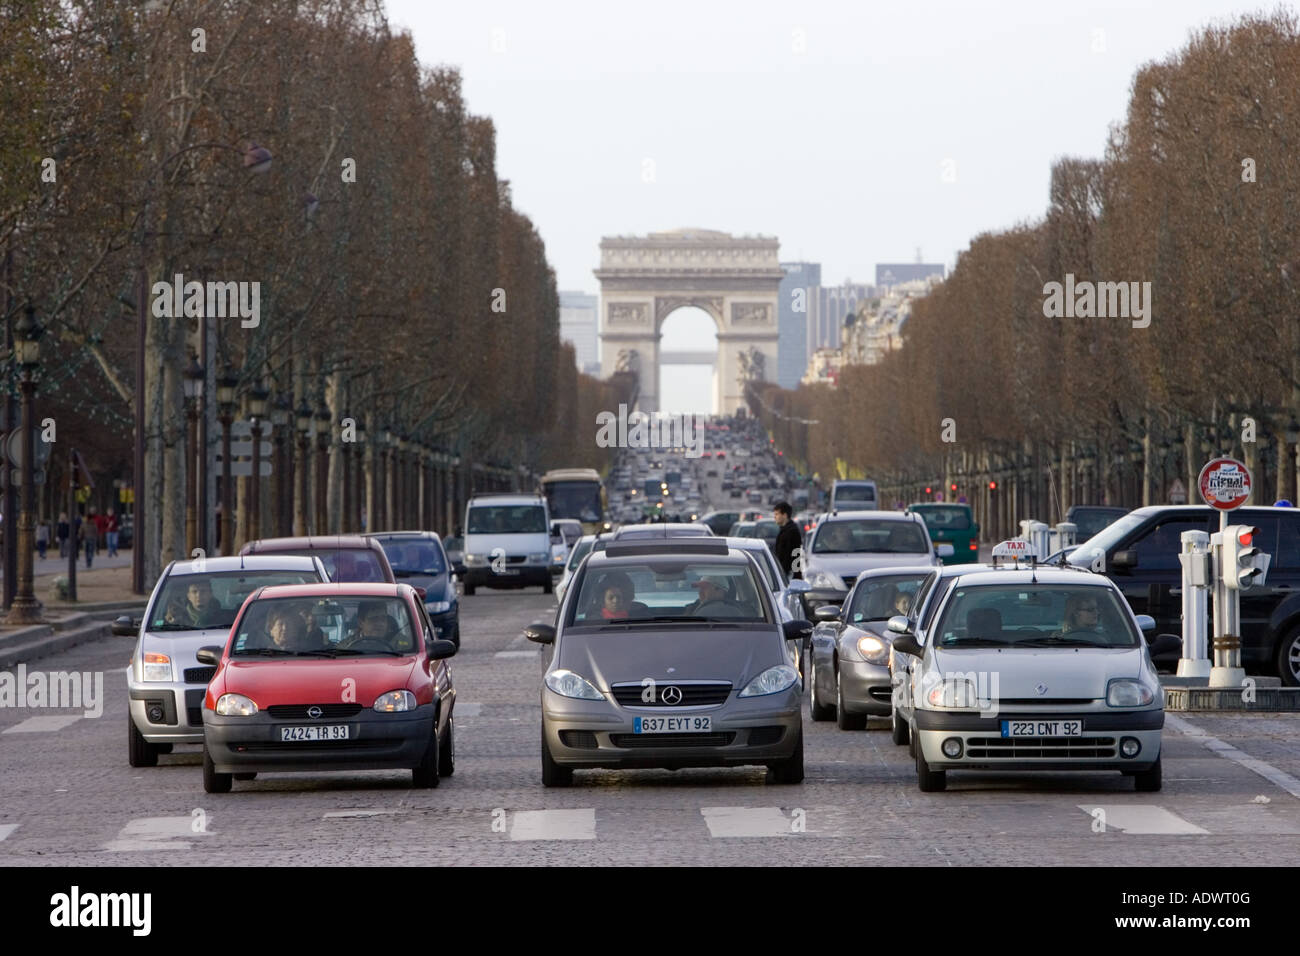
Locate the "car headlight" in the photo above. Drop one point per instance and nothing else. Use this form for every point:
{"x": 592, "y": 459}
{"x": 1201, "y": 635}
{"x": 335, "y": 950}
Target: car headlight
{"x": 771, "y": 681}
{"x": 475, "y": 560}
{"x": 235, "y": 705}
{"x": 568, "y": 684}
{"x": 954, "y": 694}
{"x": 157, "y": 667}
{"x": 825, "y": 581}
{"x": 395, "y": 701}
{"x": 539, "y": 557}
{"x": 1128, "y": 693}
{"x": 873, "y": 649}
{"x": 437, "y": 607}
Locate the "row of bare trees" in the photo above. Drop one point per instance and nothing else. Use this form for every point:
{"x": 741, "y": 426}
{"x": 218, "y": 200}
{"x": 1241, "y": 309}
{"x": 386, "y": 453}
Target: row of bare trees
{"x": 1198, "y": 193}
{"x": 299, "y": 145}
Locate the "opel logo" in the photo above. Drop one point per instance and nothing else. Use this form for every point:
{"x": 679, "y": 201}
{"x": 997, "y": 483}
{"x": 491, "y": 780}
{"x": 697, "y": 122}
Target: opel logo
{"x": 671, "y": 695}
{"x": 314, "y": 712}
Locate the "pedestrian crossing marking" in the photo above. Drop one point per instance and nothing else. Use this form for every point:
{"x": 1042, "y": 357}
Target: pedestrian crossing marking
{"x": 43, "y": 724}
{"x": 6, "y": 829}
{"x": 553, "y": 824}
{"x": 155, "y": 833}
{"x": 1137, "y": 818}
{"x": 727, "y": 822}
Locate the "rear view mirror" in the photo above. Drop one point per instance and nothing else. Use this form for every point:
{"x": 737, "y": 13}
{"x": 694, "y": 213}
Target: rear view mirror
{"x": 945, "y": 550}
{"x": 799, "y": 585}
{"x": 124, "y": 626}
{"x": 438, "y": 650}
{"x": 1163, "y": 645}
{"x": 897, "y": 624}
{"x": 210, "y": 655}
{"x": 1124, "y": 559}
{"x": 827, "y": 612}
{"x": 797, "y": 630}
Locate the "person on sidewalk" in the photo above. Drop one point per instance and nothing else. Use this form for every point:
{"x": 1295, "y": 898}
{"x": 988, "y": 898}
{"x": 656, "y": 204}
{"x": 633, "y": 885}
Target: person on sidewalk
{"x": 110, "y": 530}
{"x": 62, "y": 533}
{"x": 42, "y": 538}
{"x": 101, "y": 528}
{"x": 89, "y": 537}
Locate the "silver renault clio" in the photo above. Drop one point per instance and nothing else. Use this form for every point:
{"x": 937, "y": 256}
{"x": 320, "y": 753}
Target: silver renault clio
{"x": 670, "y": 654}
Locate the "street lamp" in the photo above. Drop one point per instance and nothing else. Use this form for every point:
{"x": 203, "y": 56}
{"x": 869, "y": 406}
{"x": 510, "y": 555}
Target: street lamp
{"x": 226, "y": 385}
{"x": 281, "y": 411}
{"x": 362, "y": 513}
{"x": 323, "y": 429}
{"x": 304, "y": 421}
{"x": 257, "y": 397}
{"x": 26, "y": 609}
{"x": 193, "y": 385}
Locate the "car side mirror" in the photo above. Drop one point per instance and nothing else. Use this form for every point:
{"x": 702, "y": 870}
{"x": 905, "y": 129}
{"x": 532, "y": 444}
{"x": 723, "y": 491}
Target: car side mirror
{"x": 799, "y": 585}
{"x": 125, "y": 626}
{"x": 438, "y": 650}
{"x": 1164, "y": 644}
{"x": 945, "y": 550}
{"x": 827, "y": 613}
{"x": 1124, "y": 559}
{"x": 1146, "y": 623}
{"x": 422, "y": 592}
{"x": 907, "y": 644}
{"x": 540, "y": 633}
{"x": 897, "y": 624}
{"x": 210, "y": 655}
{"x": 797, "y": 630}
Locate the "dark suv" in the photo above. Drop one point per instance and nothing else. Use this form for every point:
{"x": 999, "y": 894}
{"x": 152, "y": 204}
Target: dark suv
{"x": 1140, "y": 554}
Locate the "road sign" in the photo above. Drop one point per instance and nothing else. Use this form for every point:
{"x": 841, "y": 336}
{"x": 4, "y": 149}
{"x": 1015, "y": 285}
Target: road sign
{"x": 1178, "y": 492}
{"x": 1224, "y": 483}
{"x": 244, "y": 469}
{"x": 14, "y": 448}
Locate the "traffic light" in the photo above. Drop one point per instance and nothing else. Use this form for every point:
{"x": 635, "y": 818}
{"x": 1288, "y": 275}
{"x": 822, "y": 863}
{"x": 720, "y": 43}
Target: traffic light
{"x": 993, "y": 486}
{"x": 927, "y": 489}
{"x": 953, "y": 486}
{"x": 1243, "y": 563}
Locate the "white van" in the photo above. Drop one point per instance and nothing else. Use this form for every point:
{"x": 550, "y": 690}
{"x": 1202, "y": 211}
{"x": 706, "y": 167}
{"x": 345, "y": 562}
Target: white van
{"x": 854, "y": 495}
{"x": 507, "y": 542}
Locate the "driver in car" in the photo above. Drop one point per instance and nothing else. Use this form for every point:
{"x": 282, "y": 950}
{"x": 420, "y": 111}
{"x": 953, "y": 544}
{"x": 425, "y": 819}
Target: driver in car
{"x": 374, "y": 626}
{"x": 1081, "y": 615}
{"x": 712, "y": 592}
{"x": 199, "y": 609}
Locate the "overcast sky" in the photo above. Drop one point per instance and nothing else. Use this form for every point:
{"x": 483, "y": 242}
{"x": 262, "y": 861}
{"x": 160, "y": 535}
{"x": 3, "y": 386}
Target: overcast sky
{"x": 829, "y": 125}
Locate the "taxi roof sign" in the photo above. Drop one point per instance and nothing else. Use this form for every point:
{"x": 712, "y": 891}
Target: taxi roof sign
{"x": 1012, "y": 548}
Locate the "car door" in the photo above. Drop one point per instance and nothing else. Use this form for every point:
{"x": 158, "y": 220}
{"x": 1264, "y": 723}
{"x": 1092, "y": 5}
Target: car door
{"x": 439, "y": 671}
{"x": 1154, "y": 584}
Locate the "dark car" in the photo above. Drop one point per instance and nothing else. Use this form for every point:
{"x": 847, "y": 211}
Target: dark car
{"x": 1090, "y": 519}
{"x": 1139, "y": 552}
{"x": 418, "y": 559}
{"x": 349, "y": 558}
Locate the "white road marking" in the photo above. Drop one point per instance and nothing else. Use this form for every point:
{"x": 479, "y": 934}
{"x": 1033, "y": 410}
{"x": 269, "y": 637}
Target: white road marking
{"x": 38, "y": 725}
{"x": 155, "y": 833}
{"x": 746, "y": 821}
{"x": 1139, "y": 818}
{"x": 6, "y": 829}
{"x": 468, "y": 710}
{"x": 346, "y": 814}
{"x": 1273, "y": 775}
{"x": 516, "y": 654}
{"x": 553, "y": 824}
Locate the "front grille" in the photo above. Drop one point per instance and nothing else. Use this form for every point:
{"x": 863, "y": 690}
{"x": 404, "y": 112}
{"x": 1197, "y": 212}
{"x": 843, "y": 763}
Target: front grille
{"x": 316, "y": 746}
{"x": 647, "y": 741}
{"x": 299, "y": 711}
{"x": 762, "y": 736}
{"x": 1039, "y": 748}
{"x": 199, "y": 675}
{"x": 578, "y": 739}
{"x": 1043, "y": 702}
{"x": 693, "y": 695}
{"x": 195, "y": 716}
{"x": 516, "y": 558}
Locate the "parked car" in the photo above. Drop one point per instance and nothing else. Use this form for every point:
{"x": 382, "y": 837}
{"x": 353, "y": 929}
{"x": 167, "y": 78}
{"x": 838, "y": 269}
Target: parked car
{"x": 418, "y": 559}
{"x": 193, "y": 603}
{"x": 349, "y": 558}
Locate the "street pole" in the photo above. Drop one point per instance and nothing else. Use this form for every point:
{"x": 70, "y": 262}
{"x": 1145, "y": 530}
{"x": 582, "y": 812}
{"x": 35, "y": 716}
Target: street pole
{"x": 191, "y": 477}
{"x": 138, "y": 508}
{"x": 25, "y": 608}
{"x": 72, "y": 526}
{"x": 254, "y": 490}
{"x": 227, "y": 486}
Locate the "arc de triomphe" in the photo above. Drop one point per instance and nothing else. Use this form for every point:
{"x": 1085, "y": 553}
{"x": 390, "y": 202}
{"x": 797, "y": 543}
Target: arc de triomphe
{"x": 735, "y": 280}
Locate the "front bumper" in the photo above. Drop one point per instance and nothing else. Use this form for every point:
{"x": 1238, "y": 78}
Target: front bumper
{"x": 166, "y": 711}
{"x": 984, "y": 747}
{"x": 375, "y": 742}
{"x": 529, "y": 575}
{"x": 588, "y": 734}
{"x": 866, "y": 687}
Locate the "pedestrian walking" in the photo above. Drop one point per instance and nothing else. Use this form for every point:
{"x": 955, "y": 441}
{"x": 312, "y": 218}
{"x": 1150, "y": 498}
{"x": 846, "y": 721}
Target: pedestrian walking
{"x": 111, "y": 530}
{"x": 42, "y": 538}
{"x": 62, "y": 534}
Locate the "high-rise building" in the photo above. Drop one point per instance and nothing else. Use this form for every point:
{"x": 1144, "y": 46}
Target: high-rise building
{"x": 580, "y": 325}
{"x": 827, "y": 312}
{"x": 894, "y": 273}
{"x": 798, "y": 290}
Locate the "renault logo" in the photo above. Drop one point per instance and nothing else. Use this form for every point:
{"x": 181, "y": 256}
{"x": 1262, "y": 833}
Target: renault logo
{"x": 314, "y": 712}
{"x": 1042, "y": 689}
{"x": 671, "y": 695}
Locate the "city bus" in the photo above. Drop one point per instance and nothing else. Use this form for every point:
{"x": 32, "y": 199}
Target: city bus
{"x": 577, "y": 493}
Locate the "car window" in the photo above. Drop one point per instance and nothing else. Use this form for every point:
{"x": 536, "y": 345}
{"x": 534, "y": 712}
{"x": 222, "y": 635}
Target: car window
{"x": 941, "y": 587}
{"x": 869, "y": 535}
{"x": 193, "y": 601}
{"x": 1158, "y": 549}
{"x": 1034, "y": 615}
{"x": 668, "y": 588}
{"x": 880, "y": 598}
{"x": 507, "y": 519}
{"x": 335, "y": 626}
{"x": 410, "y": 555}
{"x": 1288, "y": 543}
{"x": 945, "y": 519}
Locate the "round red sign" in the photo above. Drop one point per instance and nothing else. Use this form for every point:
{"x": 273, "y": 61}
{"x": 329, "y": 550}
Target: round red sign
{"x": 1224, "y": 483}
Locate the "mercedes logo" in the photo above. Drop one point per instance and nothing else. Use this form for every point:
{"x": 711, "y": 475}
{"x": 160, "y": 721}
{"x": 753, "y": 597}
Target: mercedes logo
{"x": 314, "y": 712}
{"x": 671, "y": 695}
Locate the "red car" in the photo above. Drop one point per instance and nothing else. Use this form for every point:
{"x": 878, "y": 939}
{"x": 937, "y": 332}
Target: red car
{"x": 329, "y": 677}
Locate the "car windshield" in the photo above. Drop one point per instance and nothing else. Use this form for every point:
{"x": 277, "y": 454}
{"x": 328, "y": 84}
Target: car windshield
{"x": 191, "y": 602}
{"x": 945, "y": 519}
{"x": 869, "y": 535}
{"x": 669, "y": 589}
{"x": 1105, "y": 539}
{"x": 410, "y": 555}
{"x": 507, "y": 519}
{"x": 1034, "y": 615}
{"x": 880, "y": 598}
{"x": 337, "y": 626}
{"x": 1090, "y": 521}
{"x": 574, "y": 499}
{"x": 854, "y": 493}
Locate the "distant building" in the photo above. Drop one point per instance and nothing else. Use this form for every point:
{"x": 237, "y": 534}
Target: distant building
{"x": 894, "y": 273}
{"x": 580, "y": 325}
{"x": 827, "y": 312}
{"x": 798, "y": 289}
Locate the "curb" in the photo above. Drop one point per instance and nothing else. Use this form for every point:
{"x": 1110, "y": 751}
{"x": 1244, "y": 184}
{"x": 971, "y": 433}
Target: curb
{"x": 32, "y": 643}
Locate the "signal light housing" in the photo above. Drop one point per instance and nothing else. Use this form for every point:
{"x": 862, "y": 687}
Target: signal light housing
{"x": 1243, "y": 563}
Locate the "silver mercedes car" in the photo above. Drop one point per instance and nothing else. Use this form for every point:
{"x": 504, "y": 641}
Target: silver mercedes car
{"x": 672, "y": 654}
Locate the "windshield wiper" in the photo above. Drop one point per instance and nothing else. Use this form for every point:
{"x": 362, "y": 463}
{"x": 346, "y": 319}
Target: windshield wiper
{"x": 354, "y": 652}
{"x": 975, "y": 642}
{"x": 264, "y": 652}
{"x": 1049, "y": 641}
{"x": 189, "y": 627}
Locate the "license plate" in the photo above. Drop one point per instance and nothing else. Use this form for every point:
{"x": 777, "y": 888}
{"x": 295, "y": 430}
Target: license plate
{"x": 320, "y": 732}
{"x": 508, "y": 571}
{"x": 672, "y": 725}
{"x": 1042, "y": 728}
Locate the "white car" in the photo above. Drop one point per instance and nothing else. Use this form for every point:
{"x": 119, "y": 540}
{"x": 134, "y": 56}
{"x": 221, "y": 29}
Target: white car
{"x": 1028, "y": 669}
{"x": 844, "y": 544}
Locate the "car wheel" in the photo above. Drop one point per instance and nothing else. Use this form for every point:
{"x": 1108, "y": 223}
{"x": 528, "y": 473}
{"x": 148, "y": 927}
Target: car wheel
{"x": 898, "y": 731}
{"x": 139, "y": 752}
{"x": 553, "y": 775}
{"x": 213, "y": 782}
{"x": 455, "y": 636}
{"x": 548, "y": 587}
{"x": 1288, "y": 658}
{"x": 447, "y": 758}
{"x": 789, "y": 770}
{"x": 162, "y": 748}
{"x": 843, "y": 719}
{"x": 930, "y": 781}
{"x": 818, "y": 710}
{"x": 248, "y": 775}
{"x": 1148, "y": 781}
{"x": 425, "y": 776}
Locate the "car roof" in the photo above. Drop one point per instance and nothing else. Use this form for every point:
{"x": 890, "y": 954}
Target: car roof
{"x": 243, "y": 562}
{"x": 636, "y": 553}
{"x": 1041, "y": 574}
{"x": 831, "y": 516}
{"x": 334, "y": 542}
{"x": 895, "y": 570}
{"x": 506, "y": 498}
{"x": 332, "y": 589}
{"x": 402, "y": 534}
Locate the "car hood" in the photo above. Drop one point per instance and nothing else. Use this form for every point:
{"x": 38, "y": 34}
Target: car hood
{"x": 182, "y": 646}
{"x": 1061, "y": 671}
{"x": 436, "y": 586}
{"x": 682, "y": 653}
{"x": 850, "y": 565}
{"x": 314, "y": 680}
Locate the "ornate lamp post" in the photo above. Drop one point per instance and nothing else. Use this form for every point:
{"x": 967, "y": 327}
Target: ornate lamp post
{"x": 345, "y": 509}
{"x": 404, "y": 471}
{"x": 26, "y": 609}
{"x": 193, "y": 385}
{"x": 226, "y": 386}
{"x": 361, "y": 513}
{"x": 282, "y": 489}
{"x": 257, "y": 398}
{"x": 322, "y": 467}
{"x": 304, "y": 421}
